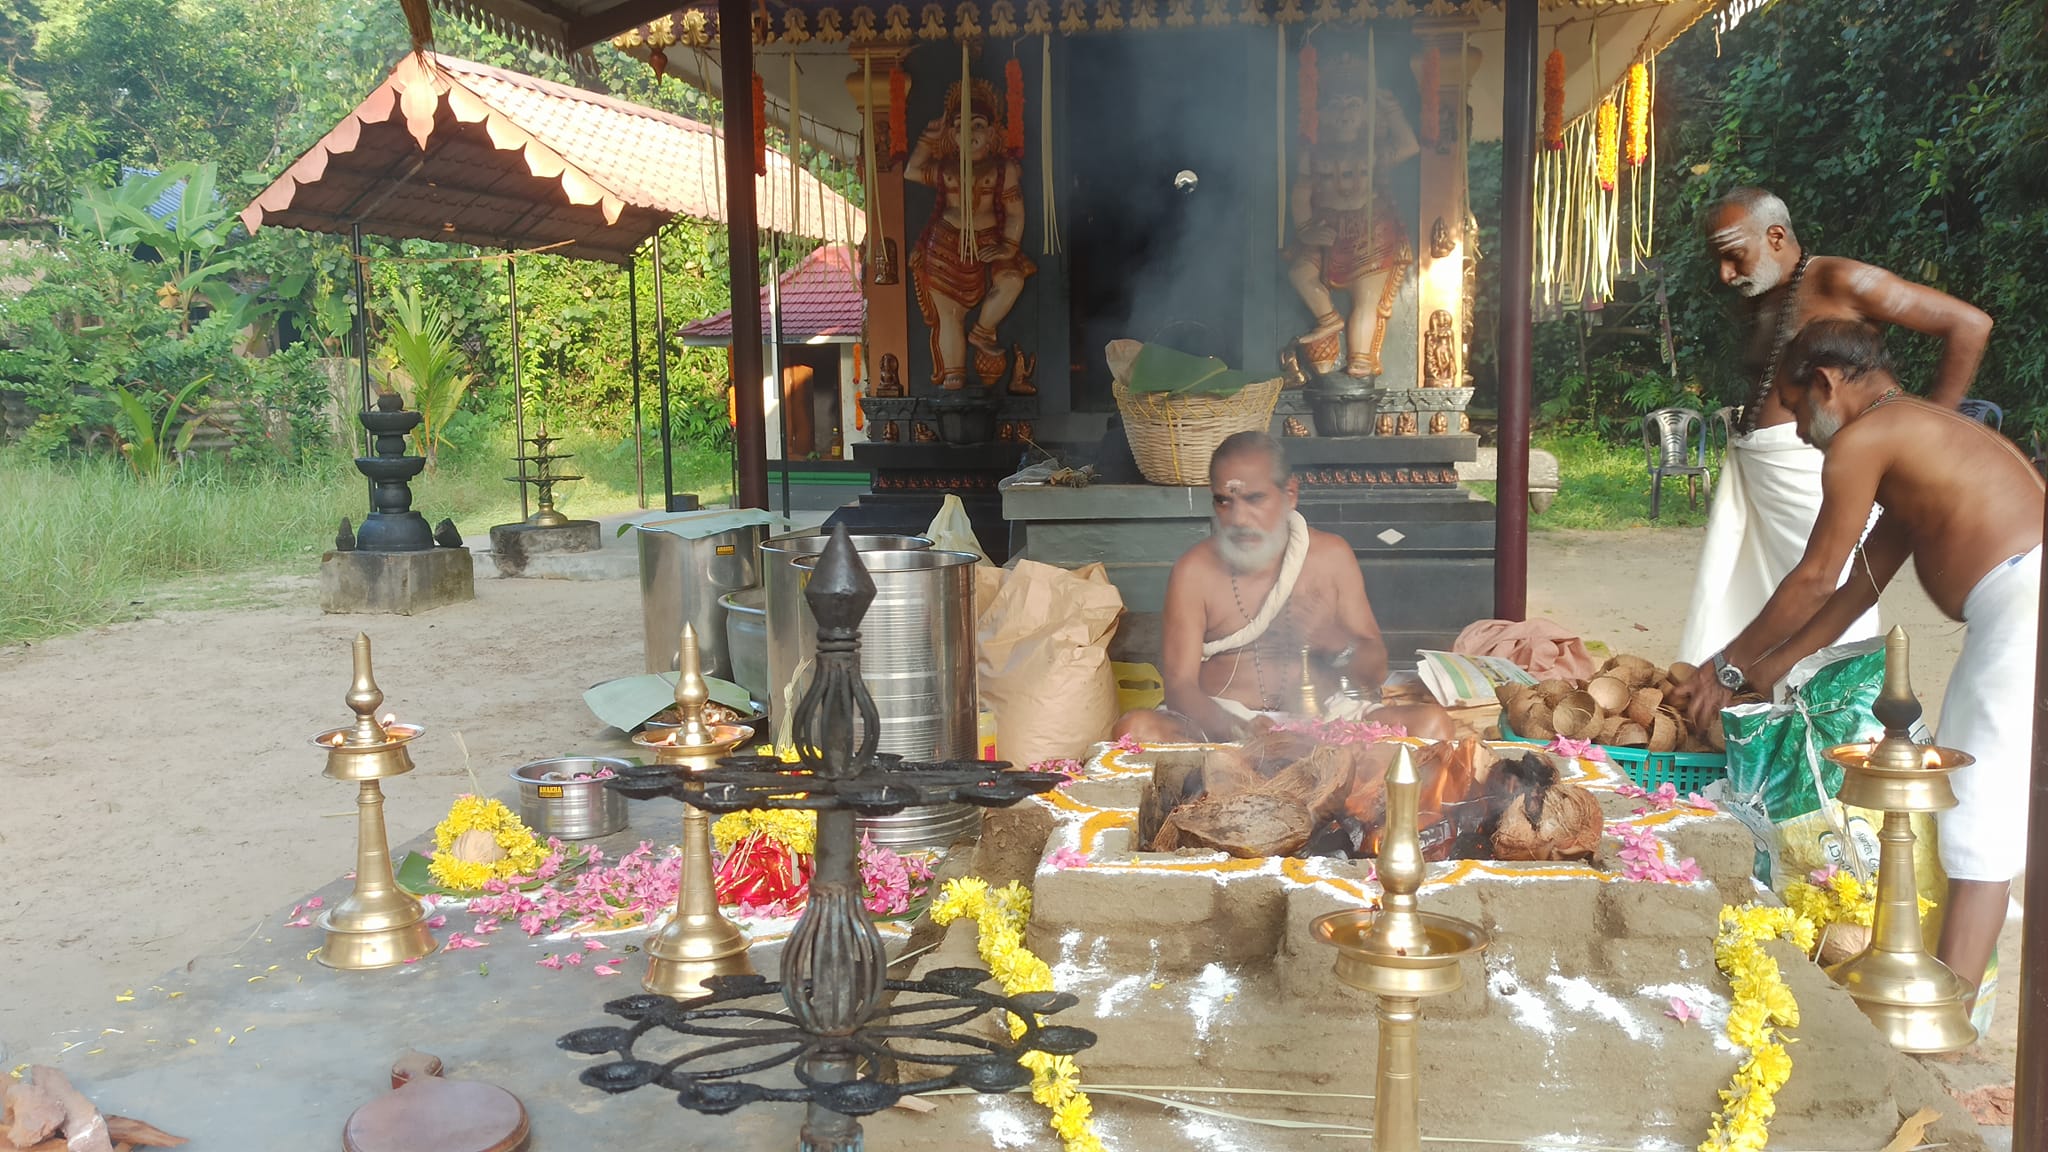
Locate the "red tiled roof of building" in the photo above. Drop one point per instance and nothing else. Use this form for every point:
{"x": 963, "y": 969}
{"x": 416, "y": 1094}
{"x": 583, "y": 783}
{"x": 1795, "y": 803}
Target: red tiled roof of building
{"x": 447, "y": 149}
{"x": 821, "y": 297}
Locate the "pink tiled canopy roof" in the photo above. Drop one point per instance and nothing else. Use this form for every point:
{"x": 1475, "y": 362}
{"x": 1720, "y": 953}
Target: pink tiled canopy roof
{"x": 446, "y": 149}
{"x": 820, "y": 297}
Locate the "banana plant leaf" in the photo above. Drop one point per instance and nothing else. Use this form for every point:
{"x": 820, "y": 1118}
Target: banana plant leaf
{"x": 414, "y": 877}
{"x": 1162, "y": 369}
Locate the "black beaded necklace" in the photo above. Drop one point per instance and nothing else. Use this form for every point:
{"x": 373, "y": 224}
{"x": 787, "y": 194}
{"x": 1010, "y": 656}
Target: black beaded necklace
{"x": 1787, "y": 309}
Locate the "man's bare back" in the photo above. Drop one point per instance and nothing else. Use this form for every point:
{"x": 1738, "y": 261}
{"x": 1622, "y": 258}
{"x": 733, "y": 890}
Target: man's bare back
{"x": 1962, "y": 495}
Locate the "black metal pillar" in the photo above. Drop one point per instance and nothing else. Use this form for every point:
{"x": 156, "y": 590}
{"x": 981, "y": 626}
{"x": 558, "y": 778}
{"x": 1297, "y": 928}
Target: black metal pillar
{"x": 518, "y": 384}
{"x": 2030, "y": 1088}
{"x": 1517, "y": 324}
{"x": 743, "y": 238}
{"x": 633, "y": 322}
{"x": 668, "y": 455}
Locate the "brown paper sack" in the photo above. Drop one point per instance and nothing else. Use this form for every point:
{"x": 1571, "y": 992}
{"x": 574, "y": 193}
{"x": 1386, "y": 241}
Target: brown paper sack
{"x": 1043, "y": 647}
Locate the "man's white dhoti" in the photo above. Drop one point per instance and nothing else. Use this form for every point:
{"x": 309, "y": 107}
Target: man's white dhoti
{"x": 1764, "y": 509}
{"x": 1988, "y": 712}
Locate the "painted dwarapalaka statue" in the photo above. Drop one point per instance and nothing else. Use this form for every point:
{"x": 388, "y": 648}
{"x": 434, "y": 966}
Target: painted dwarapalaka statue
{"x": 1348, "y": 236}
{"x": 970, "y": 253}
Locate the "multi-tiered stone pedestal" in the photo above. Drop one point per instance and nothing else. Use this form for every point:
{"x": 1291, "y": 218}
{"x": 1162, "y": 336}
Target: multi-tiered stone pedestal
{"x": 395, "y": 562}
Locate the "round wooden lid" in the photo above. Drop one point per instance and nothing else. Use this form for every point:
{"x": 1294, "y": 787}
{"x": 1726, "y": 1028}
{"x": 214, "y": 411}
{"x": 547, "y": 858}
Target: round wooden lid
{"x": 430, "y": 1114}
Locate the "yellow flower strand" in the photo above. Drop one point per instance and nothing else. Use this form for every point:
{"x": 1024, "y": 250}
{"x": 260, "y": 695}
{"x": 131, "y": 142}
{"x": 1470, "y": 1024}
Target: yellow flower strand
{"x": 524, "y": 852}
{"x": 999, "y": 916}
{"x": 796, "y": 831}
{"x": 1843, "y": 899}
{"x": 1762, "y": 1005}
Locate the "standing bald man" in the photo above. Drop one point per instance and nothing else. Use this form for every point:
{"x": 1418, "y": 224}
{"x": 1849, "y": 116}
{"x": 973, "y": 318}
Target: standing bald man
{"x": 1769, "y": 495}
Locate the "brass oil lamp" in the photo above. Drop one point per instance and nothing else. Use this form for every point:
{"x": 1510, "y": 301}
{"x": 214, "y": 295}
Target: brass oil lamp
{"x": 1911, "y": 996}
{"x": 698, "y": 941}
{"x": 380, "y": 924}
{"x": 1402, "y": 955}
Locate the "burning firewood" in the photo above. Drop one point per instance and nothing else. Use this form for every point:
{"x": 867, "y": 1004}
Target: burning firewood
{"x": 1249, "y": 826}
{"x": 1550, "y": 822}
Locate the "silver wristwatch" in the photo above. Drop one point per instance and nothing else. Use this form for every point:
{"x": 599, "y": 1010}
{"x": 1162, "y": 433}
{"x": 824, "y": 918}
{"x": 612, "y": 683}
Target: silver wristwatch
{"x": 1729, "y": 676}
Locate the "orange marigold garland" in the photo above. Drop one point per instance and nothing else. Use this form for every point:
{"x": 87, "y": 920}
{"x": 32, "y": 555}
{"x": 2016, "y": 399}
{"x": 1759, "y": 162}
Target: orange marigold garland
{"x": 1429, "y": 82}
{"x": 760, "y": 127}
{"x": 1013, "y": 125}
{"x": 1608, "y": 142}
{"x": 1306, "y": 81}
{"x": 1636, "y": 115}
{"x": 899, "y": 110}
{"x": 1553, "y": 102}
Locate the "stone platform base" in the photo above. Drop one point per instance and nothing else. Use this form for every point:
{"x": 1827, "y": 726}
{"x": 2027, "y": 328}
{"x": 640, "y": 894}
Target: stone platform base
{"x": 405, "y": 583}
{"x": 515, "y": 546}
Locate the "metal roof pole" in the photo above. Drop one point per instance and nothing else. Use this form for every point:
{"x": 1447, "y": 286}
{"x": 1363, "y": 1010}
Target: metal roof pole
{"x": 668, "y": 468}
{"x": 743, "y": 241}
{"x": 633, "y": 322}
{"x": 518, "y": 382}
{"x": 355, "y": 242}
{"x": 2030, "y": 1087}
{"x": 775, "y": 368}
{"x": 1517, "y": 322}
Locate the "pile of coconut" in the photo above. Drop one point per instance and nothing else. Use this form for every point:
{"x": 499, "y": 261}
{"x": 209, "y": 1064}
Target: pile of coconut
{"x": 1629, "y": 703}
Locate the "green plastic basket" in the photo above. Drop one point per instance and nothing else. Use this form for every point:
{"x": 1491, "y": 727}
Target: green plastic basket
{"x": 1686, "y": 771}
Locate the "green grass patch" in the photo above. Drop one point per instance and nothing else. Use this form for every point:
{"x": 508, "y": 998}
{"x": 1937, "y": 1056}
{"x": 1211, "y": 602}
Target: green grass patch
{"x": 84, "y": 543}
{"x": 1604, "y": 487}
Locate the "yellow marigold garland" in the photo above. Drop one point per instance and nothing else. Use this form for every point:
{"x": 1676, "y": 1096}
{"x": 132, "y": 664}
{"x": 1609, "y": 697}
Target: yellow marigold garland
{"x": 1553, "y": 102}
{"x": 1608, "y": 155}
{"x": 797, "y": 831}
{"x": 523, "y": 851}
{"x": 1000, "y": 916}
{"x": 1762, "y": 1005}
{"x": 1838, "y": 898}
{"x": 1636, "y": 114}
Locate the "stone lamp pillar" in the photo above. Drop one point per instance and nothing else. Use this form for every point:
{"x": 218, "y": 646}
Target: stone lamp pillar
{"x": 395, "y": 563}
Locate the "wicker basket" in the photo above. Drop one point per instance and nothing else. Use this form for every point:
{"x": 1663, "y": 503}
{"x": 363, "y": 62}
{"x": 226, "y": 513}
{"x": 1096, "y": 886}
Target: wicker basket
{"x": 1173, "y": 435}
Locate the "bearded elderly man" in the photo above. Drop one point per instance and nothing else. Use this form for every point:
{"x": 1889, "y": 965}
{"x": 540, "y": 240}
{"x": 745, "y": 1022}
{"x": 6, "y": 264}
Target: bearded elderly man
{"x": 1770, "y": 488}
{"x": 1966, "y": 506}
{"x": 1243, "y": 605}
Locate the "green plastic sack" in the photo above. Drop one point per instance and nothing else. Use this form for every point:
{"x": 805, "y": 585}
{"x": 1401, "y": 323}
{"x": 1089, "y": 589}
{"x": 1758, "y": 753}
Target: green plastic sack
{"x": 1779, "y": 783}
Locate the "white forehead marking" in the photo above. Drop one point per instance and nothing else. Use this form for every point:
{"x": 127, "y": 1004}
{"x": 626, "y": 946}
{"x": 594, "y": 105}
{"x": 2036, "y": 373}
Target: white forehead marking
{"x": 1233, "y": 486}
{"x": 1731, "y": 234}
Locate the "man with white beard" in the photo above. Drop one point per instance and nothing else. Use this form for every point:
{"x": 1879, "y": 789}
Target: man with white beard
{"x": 1244, "y": 605}
{"x": 1769, "y": 493}
{"x": 1963, "y": 503}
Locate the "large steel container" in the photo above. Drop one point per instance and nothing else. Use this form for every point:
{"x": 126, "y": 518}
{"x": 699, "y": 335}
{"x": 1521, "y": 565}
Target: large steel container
{"x": 746, "y": 639}
{"x": 562, "y": 797}
{"x": 792, "y": 633}
{"x": 917, "y": 659}
{"x": 682, "y": 575}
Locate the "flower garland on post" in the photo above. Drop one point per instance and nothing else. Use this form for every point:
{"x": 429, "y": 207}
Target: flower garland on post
{"x": 1636, "y": 114}
{"x": 1607, "y": 159}
{"x": 760, "y": 127}
{"x": 1762, "y": 1005}
{"x": 1000, "y": 916}
{"x": 1429, "y": 82}
{"x": 1306, "y": 81}
{"x": 1013, "y": 122}
{"x": 1553, "y": 102}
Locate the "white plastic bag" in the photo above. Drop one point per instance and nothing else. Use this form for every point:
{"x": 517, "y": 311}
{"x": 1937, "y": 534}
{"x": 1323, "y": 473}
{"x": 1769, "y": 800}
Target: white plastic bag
{"x": 951, "y": 531}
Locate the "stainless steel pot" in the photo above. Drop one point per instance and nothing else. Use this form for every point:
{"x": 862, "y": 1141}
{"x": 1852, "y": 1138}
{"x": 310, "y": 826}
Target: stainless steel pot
{"x": 681, "y": 579}
{"x": 917, "y": 659}
{"x": 746, "y": 639}
{"x": 792, "y": 632}
{"x": 571, "y": 809}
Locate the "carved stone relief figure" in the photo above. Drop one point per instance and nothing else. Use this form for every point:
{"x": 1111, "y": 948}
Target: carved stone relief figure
{"x": 1348, "y": 236}
{"x": 1406, "y": 425}
{"x": 1439, "y": 423}
{"x": 969, "y": 254}
{"x": 889, "y": 380}
{"x": 1440, "y": 351}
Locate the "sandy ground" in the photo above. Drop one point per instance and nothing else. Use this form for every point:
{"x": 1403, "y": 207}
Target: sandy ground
{"x": 161, "y": 800}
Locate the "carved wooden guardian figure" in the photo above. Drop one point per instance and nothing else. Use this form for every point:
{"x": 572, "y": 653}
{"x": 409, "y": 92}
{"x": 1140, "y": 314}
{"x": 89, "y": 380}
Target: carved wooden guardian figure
{"x": 969, "y": 254}
{"x": 1348, "y": 236}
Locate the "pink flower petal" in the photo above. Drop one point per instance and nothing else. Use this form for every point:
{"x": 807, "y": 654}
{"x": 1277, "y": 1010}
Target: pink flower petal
{"x": 315, "y": 902}
{"x": 594, "y": 945}
{"x": 437, "y": 921}
{"x": 550, "y": 961}
{"x": 1701, "y": 802}
{"x": 573, "y": 959}
{"x": 301, "y": 922}
{"x": 457, "y": 941}
{"x": 605, "y": 970}
{"x": 1681, "y": 1011}
{"x": 1067, "y": 858}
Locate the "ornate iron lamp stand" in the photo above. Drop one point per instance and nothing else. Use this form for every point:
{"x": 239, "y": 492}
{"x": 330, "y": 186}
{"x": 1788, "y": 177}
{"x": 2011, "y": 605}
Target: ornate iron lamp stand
{"x": 834, "y": 1032}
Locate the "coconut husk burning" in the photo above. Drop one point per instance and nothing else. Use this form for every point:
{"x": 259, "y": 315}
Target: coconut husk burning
{"x": 1283, "y": 794}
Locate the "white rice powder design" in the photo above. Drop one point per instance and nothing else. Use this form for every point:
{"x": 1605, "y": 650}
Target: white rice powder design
{"x": 1006, "y": 1122}
{"x": 1580, "y": 995}
{"x": 1206, "y": 999}
{"x": 1530, "y": 1009}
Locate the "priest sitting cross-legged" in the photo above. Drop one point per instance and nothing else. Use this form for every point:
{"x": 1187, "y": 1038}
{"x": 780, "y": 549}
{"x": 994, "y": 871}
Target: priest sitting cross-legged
{"x": 1243, "y": 605}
